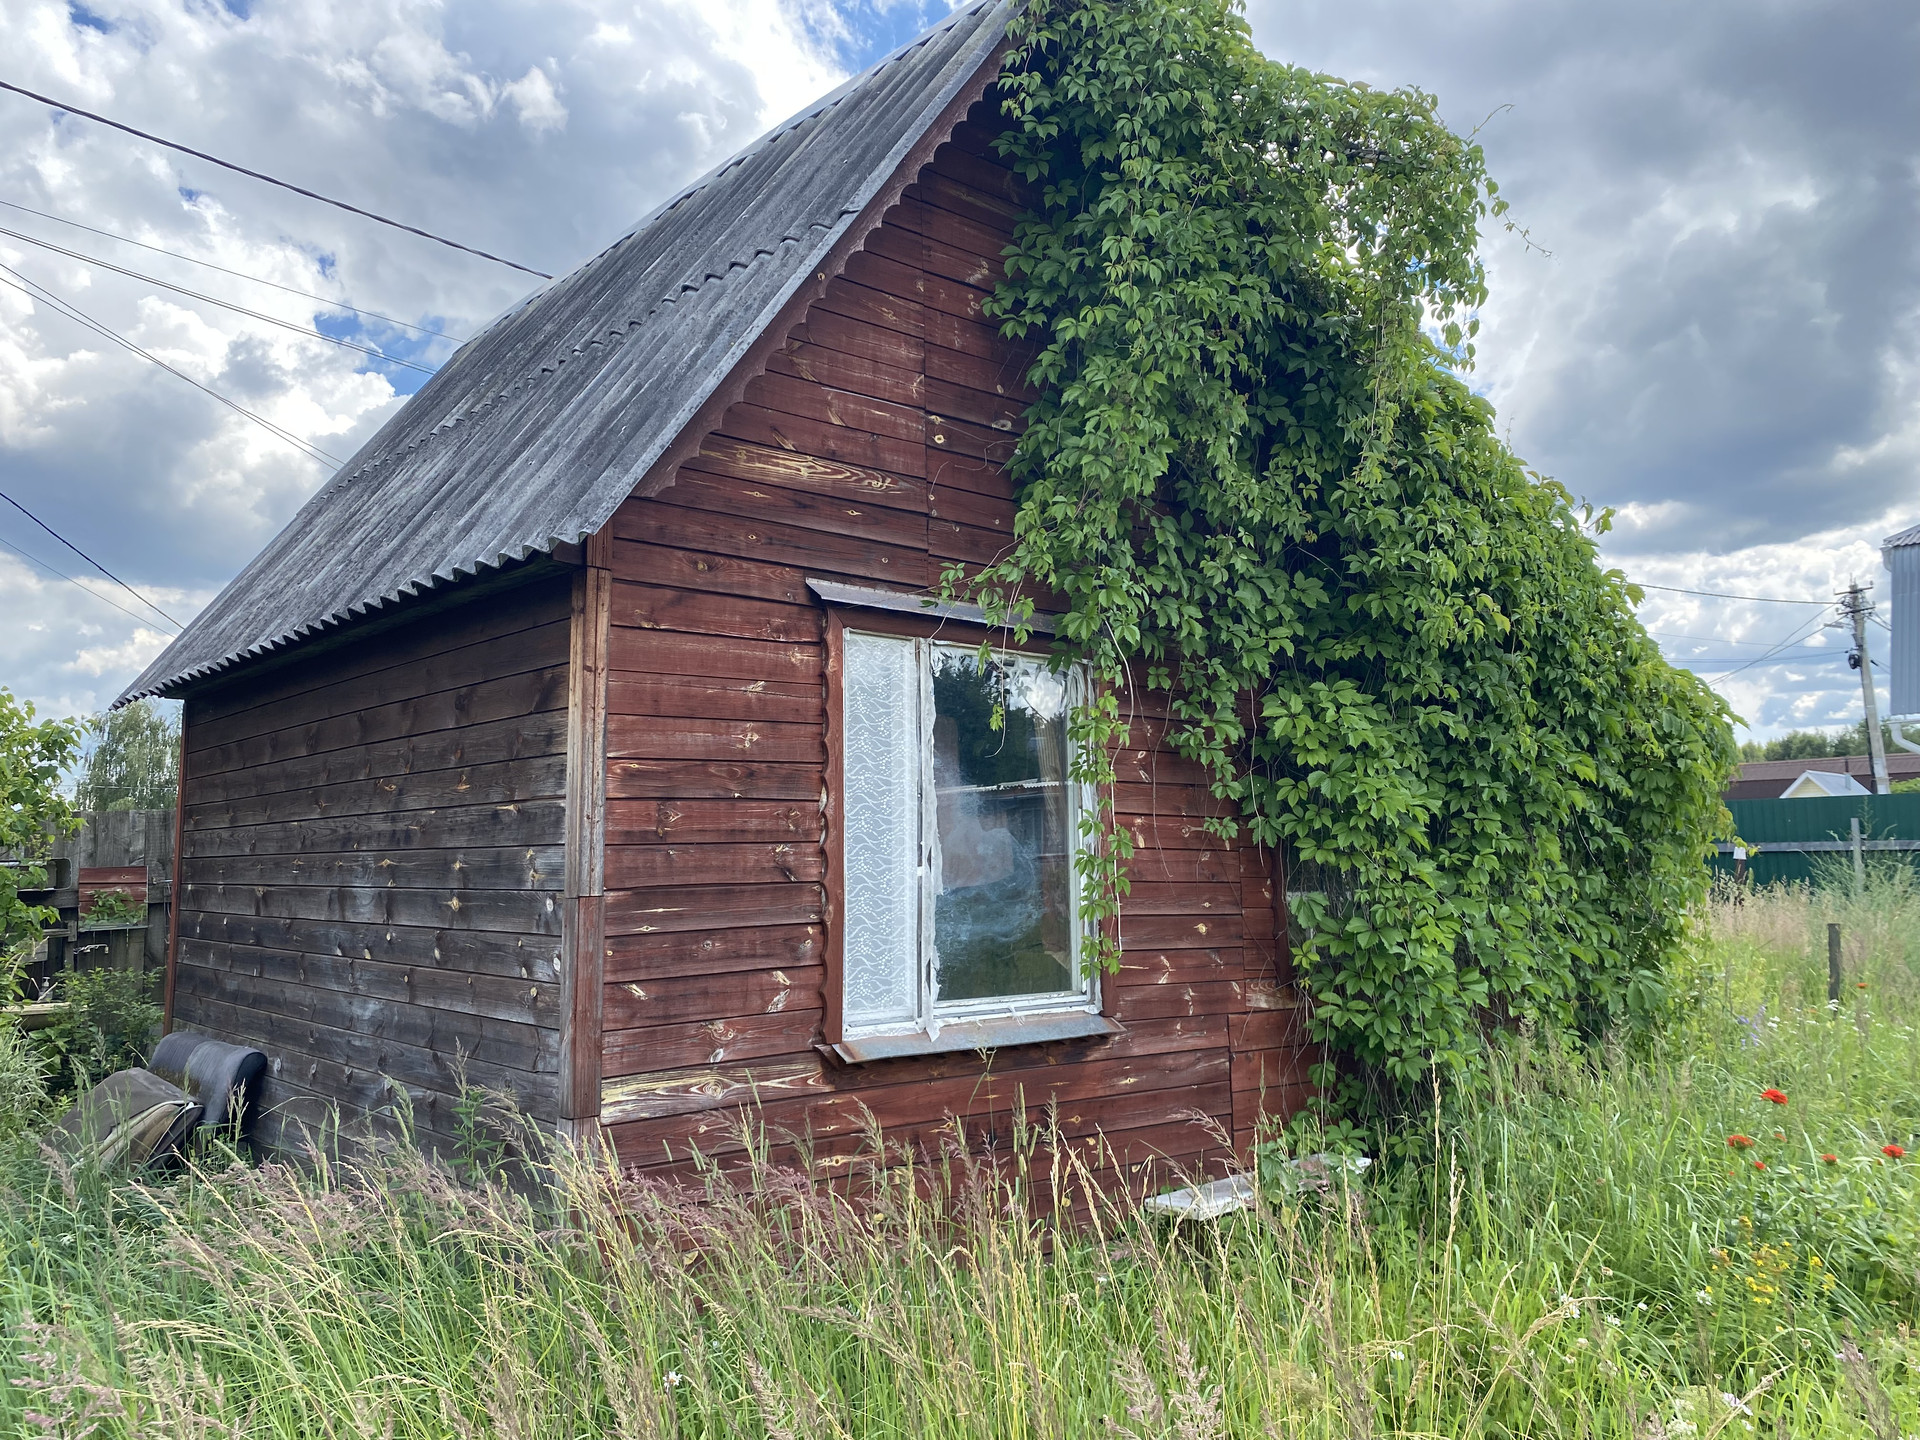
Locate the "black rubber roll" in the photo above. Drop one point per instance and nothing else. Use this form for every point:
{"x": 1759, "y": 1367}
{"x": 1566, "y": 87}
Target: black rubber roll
{"x": 224, "y": 1078}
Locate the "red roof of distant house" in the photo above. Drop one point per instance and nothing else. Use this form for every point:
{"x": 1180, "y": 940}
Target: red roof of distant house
{"x": 1765, "y": 779}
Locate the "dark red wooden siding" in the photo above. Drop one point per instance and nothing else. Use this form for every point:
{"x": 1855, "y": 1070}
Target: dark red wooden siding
{"x": 872, "y": 452}
{"x": 372, "y": 859}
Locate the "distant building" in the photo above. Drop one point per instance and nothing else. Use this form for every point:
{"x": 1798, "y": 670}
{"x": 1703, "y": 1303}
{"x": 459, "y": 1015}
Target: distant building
{"x": 1771, "y": 779}
{"x": 1816, "y": 784}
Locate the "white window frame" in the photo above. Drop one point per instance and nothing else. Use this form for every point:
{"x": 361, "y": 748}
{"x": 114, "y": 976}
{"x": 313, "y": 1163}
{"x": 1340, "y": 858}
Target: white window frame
{"x": 935, "y": 1023}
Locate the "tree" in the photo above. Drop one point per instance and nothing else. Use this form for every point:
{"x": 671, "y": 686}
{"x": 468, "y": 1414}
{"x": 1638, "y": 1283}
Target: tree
{"x": 1257, "y": 483}
{"x": 33, "y": 757}
{"x": 131, "y": 760}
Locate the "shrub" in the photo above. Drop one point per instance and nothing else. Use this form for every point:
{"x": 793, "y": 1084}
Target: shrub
{"x": 110, "y": 1025}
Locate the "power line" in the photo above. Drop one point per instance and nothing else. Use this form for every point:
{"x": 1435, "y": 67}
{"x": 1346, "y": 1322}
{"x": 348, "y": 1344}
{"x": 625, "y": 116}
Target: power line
{"x": 1800, "y": 633}
{"x": 88, "y": 589}
{"x": 293, "y": 325}
{"x": 88, "y": 558}
{"x": 326, "y": 300}
{"x": 1721, "y": 595}
{"x": 36, "y": 291}
{"x": 284, "y": 185}
{"x": 1745, "y": 662}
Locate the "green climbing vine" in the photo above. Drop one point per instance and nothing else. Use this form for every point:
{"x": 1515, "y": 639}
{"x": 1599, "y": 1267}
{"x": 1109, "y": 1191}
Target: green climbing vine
{"x": 1267, "y": 503}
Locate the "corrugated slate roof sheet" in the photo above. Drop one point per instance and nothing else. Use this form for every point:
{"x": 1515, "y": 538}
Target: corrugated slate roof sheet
{"x": 535, "y": 430}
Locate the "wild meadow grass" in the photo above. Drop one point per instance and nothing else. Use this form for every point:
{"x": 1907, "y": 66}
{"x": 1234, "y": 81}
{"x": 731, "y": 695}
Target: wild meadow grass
{"x": 1578, "y": 1252}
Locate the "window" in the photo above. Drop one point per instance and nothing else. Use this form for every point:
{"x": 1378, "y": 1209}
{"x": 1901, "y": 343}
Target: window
{"x": 958, "y": 897}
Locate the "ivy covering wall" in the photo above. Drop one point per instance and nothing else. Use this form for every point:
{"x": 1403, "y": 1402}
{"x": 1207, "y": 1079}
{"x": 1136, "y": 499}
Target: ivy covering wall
{"x": 1259, "y": 480}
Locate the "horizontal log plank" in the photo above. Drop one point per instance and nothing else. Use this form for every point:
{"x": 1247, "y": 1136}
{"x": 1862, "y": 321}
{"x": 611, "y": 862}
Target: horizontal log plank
{"x": 713, "y": 780}
{"x": 535, "y": 822}
{"x": 799, "y": 434}
{"x": 653, "y": 564}
{"x": 658, "y": 607}
{"x": 493, "y": 996}
{"x": 712, "y": 907}
{"x": 365, "y": 1055}
{"x": 509, "y": 783}
{"x": 719, "y": 1041}
{"x": 670, "y": 653}
{"x": 854, "y": 374}
{"x": 518, "y": 868}
{"x": 504, "y": 1044}
{"x": 819, "y": 401}
{"x": 677, "y": 954}
{"x": 653, "y": 737}
{"x": 816, "y": 552}
{"x": 539, "y": 648}
{"x": 506, "y": 911}
{"x": 1160, "y": 898}
{"x": 849, "y": 481}
{"x": 526, "y": 957}
{"x": 633, "y": 867}
{"x": 714, "y": 698}
{"x": 509, "y": 697}
{"x": 527, "y": 612}
{"x": 699, "y": 999}
{"x": 493, "y": 742}
{"x": 830, "y": 516}
{"x": 716, "y": 822}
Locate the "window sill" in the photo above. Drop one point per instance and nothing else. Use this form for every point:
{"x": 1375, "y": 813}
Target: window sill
{"x": 989, "y": 1034}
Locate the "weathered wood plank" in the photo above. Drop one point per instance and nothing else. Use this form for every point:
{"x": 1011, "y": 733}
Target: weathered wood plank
{"x": 715, "y": 822}
{"x": 860, "y": 339}
{"x": 1199, "y": 900}
{"x": 517, "y": 868}
{"x": 652, "y": 607}
{"x": 666, "y": 652}
{"x": 699, "y": 697}
{"x": 890, "y": 276}
{"x": 654, "y": 737}
{"x": 862, "y": 448}
{"x": 528, "y": 610}
{"x": 697, "y": 999}
{"x": 850, "y": 483}
{"x": 539, "y": 647}
{"x": 817, "y": 552}
{"x": 479, "y": 952}
{"x": 492, "y": 742}
{"x": 712, "y": 907}
{"x": 693, "y": 570}
{"x": 507, "y": 911}
{"x": 711, "y": 780}
{"x": 367, "y": 1055}
{"x": 496, "y": 1044}
{"x": 821, "y": 402}
{"x": 497, "y": 997}
{"x": 534, "y": 823}
{"x": 677, "y": 954}
{"x": 726, "y": 1039}
{"x": 511, "y": 697}
{"x": 1180, "y": 932}
{"x": 834, "y": 519}
{"x": 1153, "y": 1002}
{"x": 856, "y": 374}
{"x": 635, "y": 867}
{"x": 509, "y": 783}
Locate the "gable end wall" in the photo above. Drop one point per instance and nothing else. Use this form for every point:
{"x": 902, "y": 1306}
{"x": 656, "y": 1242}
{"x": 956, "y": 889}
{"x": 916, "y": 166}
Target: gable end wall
{"x": 871, "y": 451}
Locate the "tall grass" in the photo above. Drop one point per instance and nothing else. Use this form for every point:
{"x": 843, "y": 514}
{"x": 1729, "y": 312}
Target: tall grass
{"x": 1581, "y": 1253}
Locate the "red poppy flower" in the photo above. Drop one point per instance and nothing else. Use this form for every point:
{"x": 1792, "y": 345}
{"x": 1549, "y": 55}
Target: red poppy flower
{"x": 1759, "y": 1164}
{"x": 1778, "y": 1097}
{"x": 1829, "y": 1159}
{"x": 1892, "y": 1152}
{"x": 1740, "y": 1142}
{"x": 1779, "y": 1134}
{"x": 1859, "y": 984}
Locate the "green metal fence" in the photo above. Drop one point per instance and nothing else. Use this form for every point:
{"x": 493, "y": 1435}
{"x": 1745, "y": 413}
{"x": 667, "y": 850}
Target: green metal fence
{"x": 1795, "y": 839}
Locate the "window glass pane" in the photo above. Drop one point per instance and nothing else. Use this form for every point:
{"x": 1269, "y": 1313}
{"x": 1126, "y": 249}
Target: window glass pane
{"x": 1003, "y": 917}
{"x": 881, "y": 815}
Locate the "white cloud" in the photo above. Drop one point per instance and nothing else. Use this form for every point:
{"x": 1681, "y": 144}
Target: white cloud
{"x": 538, "y": 133}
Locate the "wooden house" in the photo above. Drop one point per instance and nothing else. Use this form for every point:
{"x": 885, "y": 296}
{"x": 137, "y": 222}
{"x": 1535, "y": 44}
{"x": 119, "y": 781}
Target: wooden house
{"x": 588, "y": 738}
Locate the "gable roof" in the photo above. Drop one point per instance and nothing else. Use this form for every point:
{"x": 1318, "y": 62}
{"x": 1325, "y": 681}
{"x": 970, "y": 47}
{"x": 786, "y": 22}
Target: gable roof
{"x": 1823, "y": 782}
{"x": 536, "y": 429}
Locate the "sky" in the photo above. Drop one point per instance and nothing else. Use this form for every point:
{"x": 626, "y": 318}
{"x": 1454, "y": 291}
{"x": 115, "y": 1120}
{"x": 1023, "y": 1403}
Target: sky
{"x": 1707, "y": 318}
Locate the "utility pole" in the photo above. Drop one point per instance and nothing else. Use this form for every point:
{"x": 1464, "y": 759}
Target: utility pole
{"x": 1855, "y": 605}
